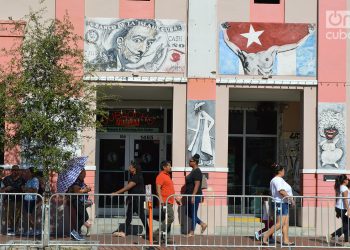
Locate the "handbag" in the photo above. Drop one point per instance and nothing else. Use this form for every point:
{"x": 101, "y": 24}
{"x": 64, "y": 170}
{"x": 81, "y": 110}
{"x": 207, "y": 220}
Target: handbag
{"x": 204, "y": 182}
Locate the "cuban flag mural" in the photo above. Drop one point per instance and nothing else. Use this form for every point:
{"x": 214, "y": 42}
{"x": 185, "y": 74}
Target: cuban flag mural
{"x": 267, "y": 49}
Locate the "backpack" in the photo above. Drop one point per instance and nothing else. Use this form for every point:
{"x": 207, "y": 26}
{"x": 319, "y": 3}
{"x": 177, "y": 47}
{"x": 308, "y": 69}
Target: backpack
{"x": 204, "y": 181}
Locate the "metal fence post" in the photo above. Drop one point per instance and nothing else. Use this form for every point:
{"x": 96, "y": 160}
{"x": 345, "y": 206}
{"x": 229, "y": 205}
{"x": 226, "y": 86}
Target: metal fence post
{"x": 46, "y": 224}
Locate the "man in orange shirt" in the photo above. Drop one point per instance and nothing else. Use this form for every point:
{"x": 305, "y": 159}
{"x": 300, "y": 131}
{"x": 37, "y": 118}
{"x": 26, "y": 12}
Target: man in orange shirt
{"x": 165, "y": 188}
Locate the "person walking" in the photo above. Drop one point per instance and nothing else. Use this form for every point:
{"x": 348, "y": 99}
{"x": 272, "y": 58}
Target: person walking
{"x": 280, "y": 190}
{"x": 135, "y": 203}
{"x": 165, "y": 189}
{"x": 342, "y": 207}
{"x": 194, "y": 188}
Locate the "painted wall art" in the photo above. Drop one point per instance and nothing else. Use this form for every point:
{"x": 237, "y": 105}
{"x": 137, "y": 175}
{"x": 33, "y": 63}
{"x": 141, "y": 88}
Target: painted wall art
{"x": 201, "y": 131}
{"x": 267, "y": 49}
{"x": 142, "y": 45}
{"x": 290, "y": 157}
{"x": 331, "y": 136}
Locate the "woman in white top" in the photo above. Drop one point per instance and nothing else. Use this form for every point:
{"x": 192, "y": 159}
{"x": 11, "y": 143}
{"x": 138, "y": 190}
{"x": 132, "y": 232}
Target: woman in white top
{"x": 280, "y": 189}
{"x": 342, "y": 206}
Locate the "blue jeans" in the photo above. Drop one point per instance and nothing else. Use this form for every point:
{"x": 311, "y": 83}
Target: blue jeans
{"x": 193, "y": 211}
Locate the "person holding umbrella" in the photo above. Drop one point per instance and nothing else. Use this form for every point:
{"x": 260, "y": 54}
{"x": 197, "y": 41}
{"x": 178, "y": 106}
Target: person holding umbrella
{"x": 71, "y": 180}
{"x": 135, "y": 203}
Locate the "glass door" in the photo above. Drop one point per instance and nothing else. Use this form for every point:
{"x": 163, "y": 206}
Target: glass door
{"x": 149, "y": 150}
{"x": 112, "y": 173}
{"x": 252, "y": 148}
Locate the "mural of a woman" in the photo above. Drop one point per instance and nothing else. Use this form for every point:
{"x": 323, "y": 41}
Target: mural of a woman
{"x": 201, "y": 142}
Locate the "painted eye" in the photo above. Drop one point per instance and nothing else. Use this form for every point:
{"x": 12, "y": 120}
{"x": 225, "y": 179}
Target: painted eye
{"x": 267, "y": 59}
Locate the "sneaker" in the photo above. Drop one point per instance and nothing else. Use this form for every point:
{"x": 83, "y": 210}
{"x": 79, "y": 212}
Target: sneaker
{"x": 257, "y": 235}
{"x": 10, "y": 232}
{"x": 346, "y": 244}
{"x": 272, "y": 241}
{"x": 75, "y": 235}
{"x": 330, "y": 238}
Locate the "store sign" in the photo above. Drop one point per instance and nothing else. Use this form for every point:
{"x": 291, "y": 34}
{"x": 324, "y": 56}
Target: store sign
{"x": 134, "y": 120}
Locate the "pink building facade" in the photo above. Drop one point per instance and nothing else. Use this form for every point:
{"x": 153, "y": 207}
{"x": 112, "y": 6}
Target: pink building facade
{"x": 226, "y": 79}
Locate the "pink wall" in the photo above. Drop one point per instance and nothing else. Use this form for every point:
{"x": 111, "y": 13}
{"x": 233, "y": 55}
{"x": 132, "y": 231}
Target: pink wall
{"x": 9, "y": 39}
{"x": 269, "y": 13}
{"x": 217, "y": 185}
{"x": 136, "y": 9}
{"x": 331, "y": 56}
{"x": 76, "y": 13}
{"x": 201, "y": 89}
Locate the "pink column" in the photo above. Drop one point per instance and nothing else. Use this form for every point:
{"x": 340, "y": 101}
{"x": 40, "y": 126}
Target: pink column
{"x": 9, "y": 38}
{"x": 332, "y": 51}
{"x": 331, "y": 55}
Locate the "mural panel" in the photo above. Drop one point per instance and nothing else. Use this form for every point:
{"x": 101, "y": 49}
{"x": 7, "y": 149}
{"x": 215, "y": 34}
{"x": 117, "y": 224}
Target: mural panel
{"x": 267, "y": 49}
{"x": 290, "y": 157}
{"x": 331, "y": 136}
{"x": 142, "y": 45}
{"x": 201, "y": 131}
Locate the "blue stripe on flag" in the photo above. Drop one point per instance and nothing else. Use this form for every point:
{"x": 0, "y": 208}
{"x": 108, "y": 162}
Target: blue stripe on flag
{"x": 228, "y": 61}
{"x": 306, "y": 57}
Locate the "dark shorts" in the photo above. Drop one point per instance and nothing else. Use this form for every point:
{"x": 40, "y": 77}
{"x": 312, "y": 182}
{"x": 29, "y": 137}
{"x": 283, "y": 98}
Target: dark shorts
{"x": 284, "y": 207}
{"x": 29, "y": 206}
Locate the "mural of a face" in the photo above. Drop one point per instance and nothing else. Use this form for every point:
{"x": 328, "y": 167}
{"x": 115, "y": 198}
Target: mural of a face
{"x": 136, "y": 43}
{"x": 330, "y": 133}
{"x": 331, "y": 136}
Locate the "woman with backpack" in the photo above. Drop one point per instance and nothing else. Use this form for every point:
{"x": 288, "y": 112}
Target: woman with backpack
{"x": 194, "y": 188}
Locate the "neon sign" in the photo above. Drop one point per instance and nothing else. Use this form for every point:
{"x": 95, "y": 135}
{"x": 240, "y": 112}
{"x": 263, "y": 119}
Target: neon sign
{"x": 124, "y": 119}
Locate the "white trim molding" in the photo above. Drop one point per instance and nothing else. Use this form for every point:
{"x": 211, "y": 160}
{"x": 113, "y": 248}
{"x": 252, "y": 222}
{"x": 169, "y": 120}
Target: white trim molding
{"x": 325, "y": 171}
{"x": 271, "y": 82}
{"x": 136, "y": 79}
{"x": 203, "y": 169}
{"x": 222, "y": 81}
{"x": 89, "y": 168}
{"x": 6, "y": 166}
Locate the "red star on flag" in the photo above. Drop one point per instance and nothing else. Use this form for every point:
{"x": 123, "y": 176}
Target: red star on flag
{"x": 257, "y": 37}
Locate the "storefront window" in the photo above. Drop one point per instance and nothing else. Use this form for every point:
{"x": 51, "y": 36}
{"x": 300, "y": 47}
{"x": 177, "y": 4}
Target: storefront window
{"x": 236, "y": 122}
{"x": 252, "y": 148}
{"x": 262, "y": 122}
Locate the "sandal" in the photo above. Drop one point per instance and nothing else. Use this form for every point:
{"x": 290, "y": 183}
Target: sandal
{"x": 189, "y": 235}
{"x": 204, "y": 227}
{"x": 264, "y": 243}
{"x": 288, "y": 244}
{"x": 119, "y": 234}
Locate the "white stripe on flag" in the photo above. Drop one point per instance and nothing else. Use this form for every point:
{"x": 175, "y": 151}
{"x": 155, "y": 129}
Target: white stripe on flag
{"x": 287, "y": 63}
{"x": 240, "y": 68}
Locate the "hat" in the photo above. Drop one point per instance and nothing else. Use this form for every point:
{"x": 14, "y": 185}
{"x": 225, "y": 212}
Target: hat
{"x": 198, "y": 104}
